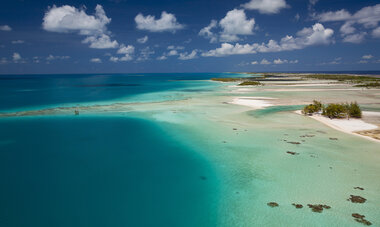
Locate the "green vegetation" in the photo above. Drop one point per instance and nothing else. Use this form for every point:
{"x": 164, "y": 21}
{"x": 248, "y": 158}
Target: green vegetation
{"x": 247, "y": 83}
{"x": 226, "y": 79}
{"x": 244, "y": 81}
{"x": 312, "y": 108}
{"x": 345, "y": 78}
{"x": 369, "y": 85}
{"x": 334, "y": 110}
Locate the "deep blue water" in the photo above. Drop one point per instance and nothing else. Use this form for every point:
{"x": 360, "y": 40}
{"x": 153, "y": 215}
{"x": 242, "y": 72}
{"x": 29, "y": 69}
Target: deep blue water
{"x": 33, "y": 91}
{"x": 99, "y": 170}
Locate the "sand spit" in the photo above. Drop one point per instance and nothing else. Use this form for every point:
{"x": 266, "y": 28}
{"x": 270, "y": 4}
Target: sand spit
{"x": 351, "y": 126}
{"x": 254, "y": 102}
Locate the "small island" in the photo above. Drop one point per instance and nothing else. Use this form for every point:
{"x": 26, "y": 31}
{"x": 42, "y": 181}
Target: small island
{"x": 334, "y": 110}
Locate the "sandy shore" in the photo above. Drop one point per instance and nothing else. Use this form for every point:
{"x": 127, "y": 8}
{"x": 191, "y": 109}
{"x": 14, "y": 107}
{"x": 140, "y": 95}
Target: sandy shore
{"x": 254, "y": 102}
{"x": 351, "y": 126}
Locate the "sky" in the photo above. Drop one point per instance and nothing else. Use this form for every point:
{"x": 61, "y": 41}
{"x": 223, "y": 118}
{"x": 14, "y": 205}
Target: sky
{"x": 150, "y": 36}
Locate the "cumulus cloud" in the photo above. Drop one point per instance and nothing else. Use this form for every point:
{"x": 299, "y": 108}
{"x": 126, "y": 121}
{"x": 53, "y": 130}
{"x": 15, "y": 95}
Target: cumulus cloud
{"x": 18, "y": 41}
{"x": 316, "y": 35}
{"x": 95, "y": 60}
{"x": 172, "y": 53}
{"x": 145, "y": 54}
{"x": 172, "y": 47}
{"x": 265, "y": 62}
{"x": 340, "y": 15}
{"x": 163, "y": 57}
{"x": 102, "y": 41}
{"x": 52, "y": 57}
{"x": 175, "y": 51}
{"x": 347, "y": 28}
{"x": 284, "y": 61}
{"x": 67, "y": 19}
{"x": 16, "y": 57}
{"x": 143, "y": 39}
{"x": 127, "y": 51}
{"x": 5, "y": 28}
{"x": 188, "y": 56}
{"x": 70, "y": 19}
{"x": 355, "y": 38}
{"x": 233, "y": 24}
{"x": 207, "y": 33}
{"x": 266, "y": 6}
{"x": 368, "y": 56}
{"x": 368, "y": 17}
{"x": 376, "y": 32}
{"x": 167, "y": 22}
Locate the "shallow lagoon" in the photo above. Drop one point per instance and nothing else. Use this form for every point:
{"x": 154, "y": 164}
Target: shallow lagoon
{"x": 232, "y": 160}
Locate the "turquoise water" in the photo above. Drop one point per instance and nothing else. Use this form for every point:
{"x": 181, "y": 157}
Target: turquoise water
{"x": 100, "y": 170}
{"x": 192, "y": 160}
{"x": 22, "y": 92}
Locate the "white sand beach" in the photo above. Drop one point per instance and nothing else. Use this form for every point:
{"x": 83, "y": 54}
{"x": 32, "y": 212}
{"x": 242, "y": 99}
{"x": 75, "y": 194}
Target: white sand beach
{"x": 254, "y": 102}
{"x": 349, "y": 126}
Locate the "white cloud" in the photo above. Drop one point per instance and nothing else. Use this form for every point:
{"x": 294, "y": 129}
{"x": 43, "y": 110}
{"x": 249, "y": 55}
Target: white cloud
{"x": 101, "y": 42}
{"x": 114, "y": 59}
{"x": 5, "y": 28}
{"x": 266, "y": 6}
{"x": 167, "y": 22}
{"x": 376, "y": 32}
{"x": 235, "y": 23}
{"x": 363, "y": 62}
{"x": 16, "y": 57}
{"x": 340, "y": 15}
{"x": 368, "y": 17}
{"x": 172, "y": 53}
{"x": 52, "y": 57}
{"x": 145, "y": 54}
{"x": 175, "y": 47}
{"x": 18, "y": 41}
{"x": 265, "y": 62}
{"x": 355, "y": 38}
{"x": 67, "y": 19}
{"x": 96, "y": 60}
{"x": 316, "y": 35}
{"x": 143, "y": 39}
{"x": 126, "y": 49}
{"x": 347, "y": 28}
{"x": 124, "y": 58}
{"x": 229, "y": 49}
{"x": 207, "y": 33}
{"x": 313, "y": 2}
{"x": 368, "y": 56}
{"x": 163, "y": 57}
{"x": 188, "y": 56}
{"x": 280, "y": 61}
{"x": 70, "y": 19}
{"x": 254, "y": 62}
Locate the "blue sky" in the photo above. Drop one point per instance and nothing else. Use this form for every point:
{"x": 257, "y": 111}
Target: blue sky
{"x": 121, "y": 36}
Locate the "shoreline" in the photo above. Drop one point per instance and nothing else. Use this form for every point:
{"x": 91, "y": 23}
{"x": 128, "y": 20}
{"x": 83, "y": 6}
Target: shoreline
{"x": 352, "y": 126}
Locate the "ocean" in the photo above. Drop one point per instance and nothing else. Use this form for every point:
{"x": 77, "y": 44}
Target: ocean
{"x": 171, "y": 150}
{"x": 99, "y": 170}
